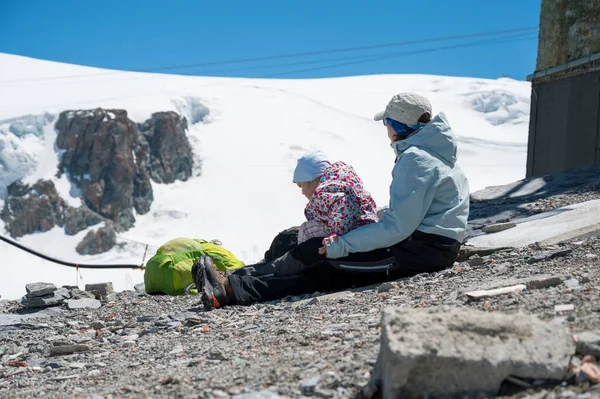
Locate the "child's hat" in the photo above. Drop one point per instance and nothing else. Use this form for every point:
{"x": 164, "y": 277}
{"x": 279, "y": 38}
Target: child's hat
{"x": 310, "y": 166}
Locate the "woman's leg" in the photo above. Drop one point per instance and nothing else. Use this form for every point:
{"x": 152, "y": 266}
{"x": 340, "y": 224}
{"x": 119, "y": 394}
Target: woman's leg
{"x": 422, "y": 253}
{"x": 315, "y": 273}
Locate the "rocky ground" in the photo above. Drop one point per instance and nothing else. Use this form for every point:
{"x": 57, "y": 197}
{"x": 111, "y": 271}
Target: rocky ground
{"x": 322, "y": 345}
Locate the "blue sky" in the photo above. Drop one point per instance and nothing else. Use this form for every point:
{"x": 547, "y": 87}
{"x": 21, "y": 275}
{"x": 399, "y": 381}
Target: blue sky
{"x": 141, "y": 35}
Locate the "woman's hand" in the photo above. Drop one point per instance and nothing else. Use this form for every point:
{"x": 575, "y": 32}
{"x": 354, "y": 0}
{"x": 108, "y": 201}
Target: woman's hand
{"x": 327, "y": 241}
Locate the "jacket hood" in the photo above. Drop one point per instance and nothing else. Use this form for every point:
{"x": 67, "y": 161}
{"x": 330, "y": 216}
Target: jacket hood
{"x": 436, "y": 137}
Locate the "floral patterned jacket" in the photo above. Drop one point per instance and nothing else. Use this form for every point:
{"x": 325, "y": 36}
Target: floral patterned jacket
{"x": 340, "y": 201}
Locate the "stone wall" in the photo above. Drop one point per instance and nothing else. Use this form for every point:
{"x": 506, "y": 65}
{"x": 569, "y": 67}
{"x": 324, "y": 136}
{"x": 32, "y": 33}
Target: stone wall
{"x": 569, "y": 30}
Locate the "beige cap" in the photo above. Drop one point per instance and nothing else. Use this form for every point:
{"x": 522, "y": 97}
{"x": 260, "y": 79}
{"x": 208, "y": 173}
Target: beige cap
{"x": 406, "y": 108}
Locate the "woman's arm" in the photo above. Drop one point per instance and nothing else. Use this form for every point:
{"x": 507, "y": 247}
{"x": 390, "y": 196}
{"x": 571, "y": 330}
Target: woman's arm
{"x": 411, "y": 193}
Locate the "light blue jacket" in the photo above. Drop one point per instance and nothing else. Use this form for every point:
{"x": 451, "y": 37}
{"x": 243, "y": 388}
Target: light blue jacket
{"x": 428, "y": 193}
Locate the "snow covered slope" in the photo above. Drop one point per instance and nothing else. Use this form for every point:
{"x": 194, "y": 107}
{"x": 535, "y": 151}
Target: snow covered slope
{"x": 247, "y": 133}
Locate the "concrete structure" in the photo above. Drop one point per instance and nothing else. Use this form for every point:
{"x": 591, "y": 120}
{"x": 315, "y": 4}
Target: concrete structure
{"x": 564, "y": 129}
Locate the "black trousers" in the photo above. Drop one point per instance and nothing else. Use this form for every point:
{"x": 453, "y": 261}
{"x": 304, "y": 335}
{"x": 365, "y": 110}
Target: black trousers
{"x": 420, "y": 253}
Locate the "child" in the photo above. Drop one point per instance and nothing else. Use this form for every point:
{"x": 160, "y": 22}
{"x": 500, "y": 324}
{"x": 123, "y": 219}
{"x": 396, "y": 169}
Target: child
{"x": 337, "y": 201}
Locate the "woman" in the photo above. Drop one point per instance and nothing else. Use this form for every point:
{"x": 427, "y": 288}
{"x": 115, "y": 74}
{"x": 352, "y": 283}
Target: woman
{"x": 421, "y": 231}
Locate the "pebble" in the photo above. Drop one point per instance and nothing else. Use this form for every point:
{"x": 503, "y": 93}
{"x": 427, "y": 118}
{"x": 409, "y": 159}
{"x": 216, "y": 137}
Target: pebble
{"x": 94, "y": 373}
{"x": 68, "y": 349}
{"x": 309, "y": 385}
{"x": 496, "y": 228}
{"x": 571, "y": 283}
{"x": 97, "y": 325}
{"x": 564, "y": 308}
{"x": 64, "y": 377}
{"x": 385, "y": 287}
{"x": 476, "y": 261}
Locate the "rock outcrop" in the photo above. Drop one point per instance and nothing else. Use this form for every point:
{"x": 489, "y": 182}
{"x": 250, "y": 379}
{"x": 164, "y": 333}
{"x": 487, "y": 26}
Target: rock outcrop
{"x": 164, "y": 147}
{"x": 112, "y": 161}
{"x": 98, "y": 241}
{"x": 79, "y": 219}
{"x": 99, "y": 159}
{"x": 29, "y": 209}
{"x": 39, "y": 208}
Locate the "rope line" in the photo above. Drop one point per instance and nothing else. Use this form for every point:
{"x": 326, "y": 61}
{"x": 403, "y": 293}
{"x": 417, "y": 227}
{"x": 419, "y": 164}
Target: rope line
{"x": 77, "y": 266}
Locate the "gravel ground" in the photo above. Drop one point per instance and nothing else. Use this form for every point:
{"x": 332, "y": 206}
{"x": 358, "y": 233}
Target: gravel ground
{"x": 321, "y": 345}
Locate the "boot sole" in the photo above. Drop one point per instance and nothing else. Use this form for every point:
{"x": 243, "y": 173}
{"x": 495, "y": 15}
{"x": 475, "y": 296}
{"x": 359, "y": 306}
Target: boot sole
{"x": 207, "y": 290}
{"x": 211, "y": 291}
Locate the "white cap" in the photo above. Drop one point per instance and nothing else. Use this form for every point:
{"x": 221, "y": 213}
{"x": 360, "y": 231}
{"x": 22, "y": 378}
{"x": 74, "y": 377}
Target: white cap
{"x": 406, "y": 108}
{"x": 310, "y": 166}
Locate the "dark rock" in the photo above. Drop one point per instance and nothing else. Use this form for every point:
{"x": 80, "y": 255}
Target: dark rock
{"x": 97, "y": 325}
{"x": 99, "y": 160}
{"x": 496, "y": 228}
{"x": 166, "y": 148}
{"x": 466, "y": 252}
{"x": 18, "y": 189}
{"x": 385, "y": 287}
{"x": 546, "y": 255}
{"x": 30, "y": 209}
{"x": 102, "y": 291}
{"x": 97, "y": 242}
{"x": 543, "y": 283}
{"x": 588, "y": 343}
{"x": 39, "y": 289}
{"x": 68, "y": 349}
{"x": 476, "y": 261}
{"x": 309, "y": 385}
{"x": 76, "y": 293}
{"x": 79, "y": 219}
{"x": 55, "y": 365}
{"x": 142, "y": 189}
{"x": 57, "y": 297}
{"x": 142, "y": 186}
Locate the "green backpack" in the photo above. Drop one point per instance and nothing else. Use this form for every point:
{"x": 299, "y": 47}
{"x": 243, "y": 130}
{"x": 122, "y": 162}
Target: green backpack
{"x": 170, "y": 270}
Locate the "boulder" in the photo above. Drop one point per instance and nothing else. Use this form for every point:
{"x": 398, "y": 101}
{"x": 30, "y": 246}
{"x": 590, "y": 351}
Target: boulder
{"x": 446, "y": 352}
{"x": 79, "y": 219}
{"x": 39, "y": 289}
{"x": 102, "y": 291}
{"x": 55, "y": 298}
{"x": 98, "y": 241}
{"x": 29, "y": 209}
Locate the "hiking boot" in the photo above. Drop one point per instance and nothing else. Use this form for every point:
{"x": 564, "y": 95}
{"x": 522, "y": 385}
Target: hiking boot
{"x": 197, "y": 275}
{"x": 216, "y": 291}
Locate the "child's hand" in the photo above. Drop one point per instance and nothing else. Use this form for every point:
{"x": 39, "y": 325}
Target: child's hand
{"x": 327, "y": 241}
